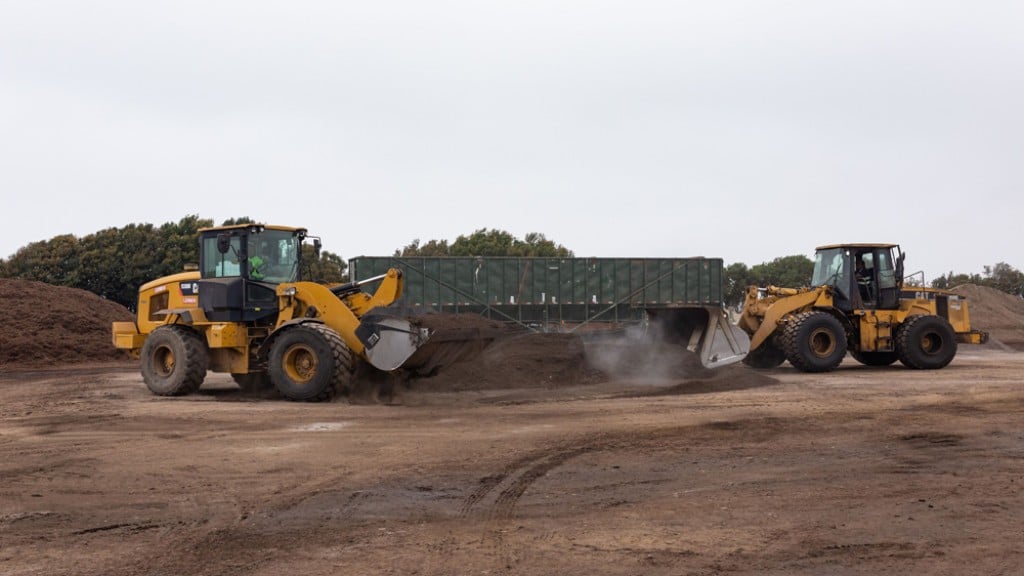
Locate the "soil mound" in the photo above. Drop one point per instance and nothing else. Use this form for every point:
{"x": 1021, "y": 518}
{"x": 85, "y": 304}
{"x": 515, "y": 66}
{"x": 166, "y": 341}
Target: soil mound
{"x": 523, "y": 360}
{"x": 45, "y": 325}
{"x": 996, "y": 312}
{"x": 509, "y": 357}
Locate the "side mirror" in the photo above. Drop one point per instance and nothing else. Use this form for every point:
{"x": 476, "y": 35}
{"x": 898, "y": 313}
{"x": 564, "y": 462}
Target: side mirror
{"x": 223, "y": 243}
{"x": 316, "y": 247}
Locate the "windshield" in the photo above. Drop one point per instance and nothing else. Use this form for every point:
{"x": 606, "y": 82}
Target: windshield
{"x": 274, "y": 256}
{"x": 829, "y": 268}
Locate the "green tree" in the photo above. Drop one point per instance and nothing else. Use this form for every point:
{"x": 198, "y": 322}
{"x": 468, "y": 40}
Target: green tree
{"x": 54, "y": 261}
{"x": 485, "y": 242}
{"x": 430, "y": 249}
{"x": 952, "y": 280}
{"x": 536, "y": 244}
{"x": 736, "y": 280}
{"x": 1006, "y": 278}
{"x": 786, "y": 271}
{"x": 236, "y": 221}
{"x": 328, "y": 268}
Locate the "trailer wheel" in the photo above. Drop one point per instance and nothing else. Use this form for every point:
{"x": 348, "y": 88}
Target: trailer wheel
{"x": 875, "y": 358}
{"x": 814, "y": 342}
{"x": 310, "y": 363}
{"x": 174, "y": 361}
{"x": 925, "y": 342}
{"x": 767, "y": 355}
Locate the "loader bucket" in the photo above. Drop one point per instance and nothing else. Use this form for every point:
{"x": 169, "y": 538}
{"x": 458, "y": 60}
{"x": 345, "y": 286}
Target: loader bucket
{"x": 703, "y": 330}
{"x": 389, "y": 341}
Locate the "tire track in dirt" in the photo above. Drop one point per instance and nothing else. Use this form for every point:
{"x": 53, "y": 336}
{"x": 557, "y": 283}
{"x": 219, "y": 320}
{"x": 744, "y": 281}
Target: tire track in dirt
{"x": 494, "y": 500}
{"x": 498, "y": 494}
{"x": 513, "y": 483}
{"x": 496, "y": 497}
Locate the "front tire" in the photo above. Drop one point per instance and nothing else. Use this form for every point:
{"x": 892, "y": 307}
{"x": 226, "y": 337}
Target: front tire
{"x": 174, "y": 360}
{"x": 926, "y": 342}
{"x": 814, "y": 342}
{"x": 310, "y": 363}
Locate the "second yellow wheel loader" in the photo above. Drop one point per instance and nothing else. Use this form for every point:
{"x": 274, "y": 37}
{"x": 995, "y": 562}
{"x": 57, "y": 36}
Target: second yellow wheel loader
{"x": 247, "y": 312}
{"x": 857, "y": 303}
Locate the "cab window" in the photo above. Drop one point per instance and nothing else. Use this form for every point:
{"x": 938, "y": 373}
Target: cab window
{"x": 218, "y": 265}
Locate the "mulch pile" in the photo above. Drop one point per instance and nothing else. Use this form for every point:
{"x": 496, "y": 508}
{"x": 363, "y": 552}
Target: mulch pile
{"x": 998, "y": 313}
{"x": 48, "y": 326}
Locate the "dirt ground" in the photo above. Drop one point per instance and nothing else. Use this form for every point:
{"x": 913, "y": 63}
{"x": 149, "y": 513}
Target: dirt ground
{"x": 533, "y": 454}
{"x": 860, "y": 471}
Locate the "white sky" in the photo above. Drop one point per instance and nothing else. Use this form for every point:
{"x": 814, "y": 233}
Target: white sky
{"x": 746, "y": 130}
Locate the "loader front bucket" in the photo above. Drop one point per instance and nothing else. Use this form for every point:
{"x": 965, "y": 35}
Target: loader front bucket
{"x": 389, "y": 341}
{"x": 703, "y": 330}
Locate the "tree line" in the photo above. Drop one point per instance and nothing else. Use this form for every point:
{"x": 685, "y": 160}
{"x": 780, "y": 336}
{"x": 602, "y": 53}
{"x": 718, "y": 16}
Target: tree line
{"x": 114, "y": 262}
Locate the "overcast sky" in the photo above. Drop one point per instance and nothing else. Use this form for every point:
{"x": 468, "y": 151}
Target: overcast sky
{"x": 745, "y": 130}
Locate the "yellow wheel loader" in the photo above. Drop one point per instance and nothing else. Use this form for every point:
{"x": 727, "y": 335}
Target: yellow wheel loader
{"x": 247, "y": 312}
{"x": 857, "y": 303}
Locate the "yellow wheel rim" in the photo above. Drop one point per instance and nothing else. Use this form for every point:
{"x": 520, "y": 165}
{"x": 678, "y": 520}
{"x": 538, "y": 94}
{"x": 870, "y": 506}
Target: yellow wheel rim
{"x": 163, "y": 361}
{"x": 822, "y": 343}
{"x": 300, "y": 363}
{"x": 931, "y": 343}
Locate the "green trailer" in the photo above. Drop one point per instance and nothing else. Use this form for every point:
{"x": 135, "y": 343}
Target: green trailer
{"x": 681, "y": 298}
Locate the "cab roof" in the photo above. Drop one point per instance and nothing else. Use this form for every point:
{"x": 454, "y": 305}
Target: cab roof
{"x": 857, "y": 246}
{"x": 250, "y": 225}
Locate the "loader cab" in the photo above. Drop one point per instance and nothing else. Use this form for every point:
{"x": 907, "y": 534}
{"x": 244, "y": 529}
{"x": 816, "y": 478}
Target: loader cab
{"x": 863, "y": 276}
{"x": 241, "y": 267}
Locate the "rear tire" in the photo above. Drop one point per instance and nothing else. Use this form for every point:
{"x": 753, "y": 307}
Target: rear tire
{"x": 174, "y": 360}
{"x": 310, "y": 363}
{"x": 814, "y": 342}
{"x": 926, "y": 342}
{"x": 875, "y": 358}
{"x": 768, "y": 355}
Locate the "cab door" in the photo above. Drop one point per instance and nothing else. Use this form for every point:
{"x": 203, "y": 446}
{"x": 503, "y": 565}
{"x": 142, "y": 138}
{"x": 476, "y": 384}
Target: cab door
{"x": 886, "y": 278}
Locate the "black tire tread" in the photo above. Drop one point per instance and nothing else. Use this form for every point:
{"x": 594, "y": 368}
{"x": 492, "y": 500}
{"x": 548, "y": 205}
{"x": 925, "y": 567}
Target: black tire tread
{"x": 908, "y": 339}
{"x": 195, "y": 361}
{"x": 793, "y": 343}
{"x": 342, "y": 369}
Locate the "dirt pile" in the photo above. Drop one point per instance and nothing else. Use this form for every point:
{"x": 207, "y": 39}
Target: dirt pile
{"x": 45, "y": 325}
{"x": 501, "y": 356}
{"x": 518, "y": 360}
{"x": 998, "y": 313}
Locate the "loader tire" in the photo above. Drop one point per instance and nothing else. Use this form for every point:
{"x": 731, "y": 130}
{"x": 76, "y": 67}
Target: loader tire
{"x": 768, "y": 355}
{"x": 310, "y": 363}
{"x": 814, "y": 342}
{"x": 925, "y": 342}
{"x": 875, "y": 358}
{"x": 174, "y": 361}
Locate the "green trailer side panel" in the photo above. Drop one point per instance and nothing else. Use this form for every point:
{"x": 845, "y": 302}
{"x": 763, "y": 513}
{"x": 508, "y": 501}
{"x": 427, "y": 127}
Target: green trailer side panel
{"x": 551, "y": 289}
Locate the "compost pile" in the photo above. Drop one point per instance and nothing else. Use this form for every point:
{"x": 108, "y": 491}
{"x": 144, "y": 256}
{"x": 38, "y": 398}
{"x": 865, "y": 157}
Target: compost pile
{"x": 998, "y": 313}
{"x": 45, "y": 325}
{"x": 505, "y": 356}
